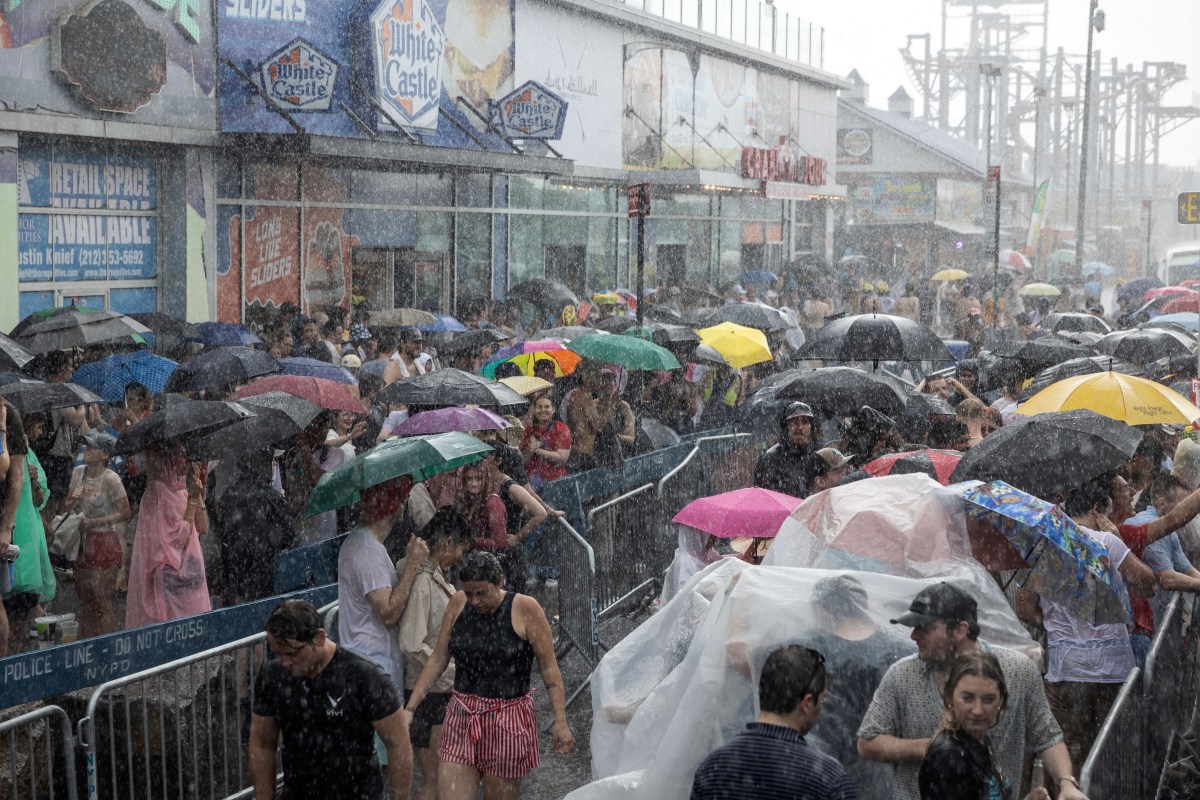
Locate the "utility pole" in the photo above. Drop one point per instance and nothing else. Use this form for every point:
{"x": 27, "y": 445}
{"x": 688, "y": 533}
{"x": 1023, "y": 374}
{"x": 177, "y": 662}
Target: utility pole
{"x": 1095, "y": 23}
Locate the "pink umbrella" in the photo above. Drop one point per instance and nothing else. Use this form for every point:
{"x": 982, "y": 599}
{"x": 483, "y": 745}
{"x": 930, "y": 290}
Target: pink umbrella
{"x": 1162, "y": 291}
{"x": 444, "y": 420}
{"x": 1014, "y": 260}
{"x": 750, "y": 512}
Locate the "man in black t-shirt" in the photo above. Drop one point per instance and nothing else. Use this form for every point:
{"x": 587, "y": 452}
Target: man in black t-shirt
{"x": 326, "y": 702}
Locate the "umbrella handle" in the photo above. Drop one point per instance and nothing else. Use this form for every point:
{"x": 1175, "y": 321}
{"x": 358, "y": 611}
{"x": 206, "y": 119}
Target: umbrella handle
{"x": 1012, "y": 577}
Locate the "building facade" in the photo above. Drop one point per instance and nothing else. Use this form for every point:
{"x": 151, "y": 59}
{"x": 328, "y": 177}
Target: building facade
{"x": 219, "y": 158}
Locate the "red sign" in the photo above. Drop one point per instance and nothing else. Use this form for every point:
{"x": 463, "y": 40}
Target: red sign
{"x": 780, "y": 164}
{"x": 638, "y": 196}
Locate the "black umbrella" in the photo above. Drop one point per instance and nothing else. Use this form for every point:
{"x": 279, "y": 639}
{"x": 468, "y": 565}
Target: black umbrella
{"x": 751, "y": 315}
{"x": 452, "y": 387}
{"x": 1050, "y": 453}
{"x": 12, "y": 355}
{"x": 1147, "y": 344}
{"x": 277, "y": 416}
{"x": 1036, "y": 355}
{"x": 927, "y": 405}
{"x": 220, "y": 367}
{"x": 1087, "y": 365}
{"x": 1085, "y": 338}
{"x": 191, "y": 419}
{"x": 473, "y": 340}
{"x": 843, "y": 390}
{"x": 664, "y": 314}
{"x": 544, "y": 294}
{"x": 658, "y": 434}
{"x": 1074, "y": 321}
{"x": 875, "y": 337}
{"x": 31, "y": 397}
{"x": 165, "y": 325}
{"x": 567, "y": 332}
{"x": 666, "y": 335}
{"x": 73, "y": 326}
{"x": 760, "y": 412}
{"x": 616, "y": 324}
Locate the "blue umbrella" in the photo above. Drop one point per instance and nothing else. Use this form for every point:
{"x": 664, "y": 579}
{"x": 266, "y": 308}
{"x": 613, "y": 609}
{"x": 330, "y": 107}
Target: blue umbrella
{"x": 1137, "y": 287}
{"x": 225, "y": 334}
{"x": 1182, "y": 319}
{"x": 108, "y": 377}
{"x": 1098, "y": 268}
{"x": 443, "y": 324}
{"x": 758, "y": 276}
{"x": 313, "y": 368}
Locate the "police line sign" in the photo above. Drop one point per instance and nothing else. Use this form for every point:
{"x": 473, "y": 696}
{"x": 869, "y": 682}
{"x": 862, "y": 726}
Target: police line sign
{"x": 1189, "y": 208}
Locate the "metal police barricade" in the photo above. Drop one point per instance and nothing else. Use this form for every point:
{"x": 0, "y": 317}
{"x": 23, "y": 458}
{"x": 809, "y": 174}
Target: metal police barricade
{"x": 178, "y": 730}
{"x": 27, "y": 745}
{"x": 729, "y": 461}
{"x": 1169, "y": 688}
{"x": 578, "y": 612}
{"x": 618, "y": 531}
{"x": 1115, "y": 765}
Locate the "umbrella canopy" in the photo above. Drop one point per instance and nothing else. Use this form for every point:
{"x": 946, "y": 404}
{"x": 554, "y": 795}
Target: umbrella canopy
{"x": 325, "y": 393}
{"x": 1098, "y": 268}
{"x": 1181, "y": 304}
{"x": 1088, "y": 365}
{"x": 109, "y": 376}
{"x": 1146, "y": 344}
{"x": 750, "y": 512}
{"x": 757, "y": 276}
{"x": 564, "y": 362}
{"x": 1073, "y": 321}
{"x": 614, "y": 324}
{"x": 35, "y": 397}
{"x": 421, "y": 457}
{"x": 443, "y": 420}
{"x": 950, "y": 274}
{"x": 667, "y": 335}
{"x": 473, "y": 340}
{"x": 1039, "y": 290}
{"x": 443, "y": 323}
{"x": 708, "y": 354}
{"x": 739, "y": 346}
{"x": 1135, "y": 289}
{"x": 1066, "y": 565}
{"x": 402, "y": 317}
{"x": 221, "y": 367}
{"x": 1036, "y": 355}
{"x": 278, "y": 416}
{"x": 1189, "y": 321}
{"x": 1169, "y": 291}
{"x": 314, "y": 368}
{"x": 924, "y": 404}
{"x": 875, "y": 337}
{"x": 165, "y": 325}
{"x": 1085, "y": 338}
{"x": 937, "y": 464}
{"x": 452, "y": 387}
{"x": 660, "y": 435}
{"x": 750, "y": 315}
{"x": 843, "y": 390}
{"x": 74, "y": 326}
{"x": 186, "y": 419}
{"x": 543, "y": 294}
{"x": 569, "y": 332}
{"x": 1011, "y": 258}
{"x": 1051, "y": 452}
{"x": 527, "y": 385}
{"x": 1132, "y": 400}
{"x": 226, "y": 334}
{"x": 12, "y": 355}
{"x": 629, "y": 352}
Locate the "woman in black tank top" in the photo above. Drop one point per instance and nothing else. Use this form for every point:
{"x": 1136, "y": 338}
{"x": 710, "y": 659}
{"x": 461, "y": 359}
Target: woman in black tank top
{"x": 490, "y": 729}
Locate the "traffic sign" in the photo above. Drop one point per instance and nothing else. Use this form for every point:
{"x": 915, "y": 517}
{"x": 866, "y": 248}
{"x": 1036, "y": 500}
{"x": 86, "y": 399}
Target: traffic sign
{"x": 638, "y": 195}
{"x": 1189, "y": 208}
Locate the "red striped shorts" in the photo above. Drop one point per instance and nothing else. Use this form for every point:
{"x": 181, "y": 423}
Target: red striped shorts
{"x": 496, "y": 736}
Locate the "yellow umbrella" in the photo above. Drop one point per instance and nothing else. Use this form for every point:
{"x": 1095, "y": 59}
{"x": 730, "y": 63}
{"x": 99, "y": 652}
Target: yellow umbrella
{"x": 1039, "y": 290}
{"x": 950, "y": 275}
{"x": 1132, "y": 400}
{"x": 739, "y": 345}
{"x": 526, "y": 385}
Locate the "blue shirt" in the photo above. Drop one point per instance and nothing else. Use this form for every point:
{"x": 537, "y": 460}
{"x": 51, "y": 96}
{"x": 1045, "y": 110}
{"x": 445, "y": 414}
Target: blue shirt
{"x": 771, "y": 762}
{"x": 1164, "y": 554}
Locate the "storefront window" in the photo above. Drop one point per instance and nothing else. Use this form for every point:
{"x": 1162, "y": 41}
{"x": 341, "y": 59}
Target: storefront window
{"x": 524, "y": 247}
{"x": 473, "y": 257}
{"x": 88, "y": 224}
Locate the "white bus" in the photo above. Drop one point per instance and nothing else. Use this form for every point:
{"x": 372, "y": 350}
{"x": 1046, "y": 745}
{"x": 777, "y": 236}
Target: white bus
{"x": 1182, "y": 262}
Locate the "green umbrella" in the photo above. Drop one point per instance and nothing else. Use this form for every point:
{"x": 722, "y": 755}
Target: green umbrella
{"x": 630, "y": 352}
{"x": 418, "y": 456}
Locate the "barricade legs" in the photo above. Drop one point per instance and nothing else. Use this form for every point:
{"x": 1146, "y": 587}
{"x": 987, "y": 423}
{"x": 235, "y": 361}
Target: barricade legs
{"x": 28, "y": 754}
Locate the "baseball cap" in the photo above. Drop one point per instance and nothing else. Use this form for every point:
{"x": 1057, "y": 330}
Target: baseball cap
{"x": 797, "y": 409}
{"x": 940, "y": 601}
{"x": 351, "y": 361}
{"x": 101, "y": 440}
{"x": 834, "y": 458}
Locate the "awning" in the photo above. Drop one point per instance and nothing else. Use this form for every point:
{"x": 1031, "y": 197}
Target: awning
{"x": 697, "y": 178}
{"x": 960, "y": 228}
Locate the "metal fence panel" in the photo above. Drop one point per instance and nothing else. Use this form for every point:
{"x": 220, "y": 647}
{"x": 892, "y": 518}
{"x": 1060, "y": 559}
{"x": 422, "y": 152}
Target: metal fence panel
{"x": 27, "y": 754}
{"x": 620, "y": 532}
{"x": 577, "y": 604}
{"x": 1115, "y": 765}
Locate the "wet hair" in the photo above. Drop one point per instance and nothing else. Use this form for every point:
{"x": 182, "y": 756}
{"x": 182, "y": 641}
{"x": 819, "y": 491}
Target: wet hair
{"x": 994, "y": 416}
{"x": 972, "y": 626}
{"x": 331, "y": 326}
{"x": 507, "y": 369}
{"x": 1164, "y": 484}
{"x": 841, "y": 597}
{"x": 1150, "y": 449}
{"x": 446, "y": 524}
{"x": 480, "y": 566}
{"x": 789, "y": 674}
{"x": 409, "y": 333}
{"x": 970, "y": 408}
{"x": 1096, "y": 492}
{"x": 295, "y": 620}
{"x": 369, "y": 382}
{"x": 979, "y": 663}
{"x": 139, "y": 391}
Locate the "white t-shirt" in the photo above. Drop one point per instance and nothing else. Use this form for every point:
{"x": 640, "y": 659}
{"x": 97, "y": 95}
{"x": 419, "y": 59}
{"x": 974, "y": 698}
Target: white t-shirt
{"x": 336, "y": 456}
{"x": 1079, "y": 650}
{"x": 363, "y": 567}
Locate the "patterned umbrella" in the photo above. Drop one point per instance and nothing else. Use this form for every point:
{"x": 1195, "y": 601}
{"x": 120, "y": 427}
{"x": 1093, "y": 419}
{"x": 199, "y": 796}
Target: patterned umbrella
{"x": 1065, "y": 565}
{"x": 109, "y": 376}
{"x": 937, "y": 464}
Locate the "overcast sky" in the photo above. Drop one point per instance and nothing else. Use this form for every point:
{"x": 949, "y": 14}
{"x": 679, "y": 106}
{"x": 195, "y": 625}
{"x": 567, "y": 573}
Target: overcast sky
{"x": 867, "y": 34}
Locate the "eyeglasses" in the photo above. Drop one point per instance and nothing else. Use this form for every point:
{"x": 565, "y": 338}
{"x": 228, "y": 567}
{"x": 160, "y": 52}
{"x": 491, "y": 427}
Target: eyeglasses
{"x": 295, "y": 651}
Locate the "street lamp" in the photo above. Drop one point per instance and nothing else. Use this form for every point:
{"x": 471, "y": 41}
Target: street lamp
{"x": 1095, "y": 23}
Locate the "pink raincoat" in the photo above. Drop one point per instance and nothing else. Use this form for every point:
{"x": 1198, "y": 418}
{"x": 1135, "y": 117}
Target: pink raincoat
{"x": 166, "y": 570}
